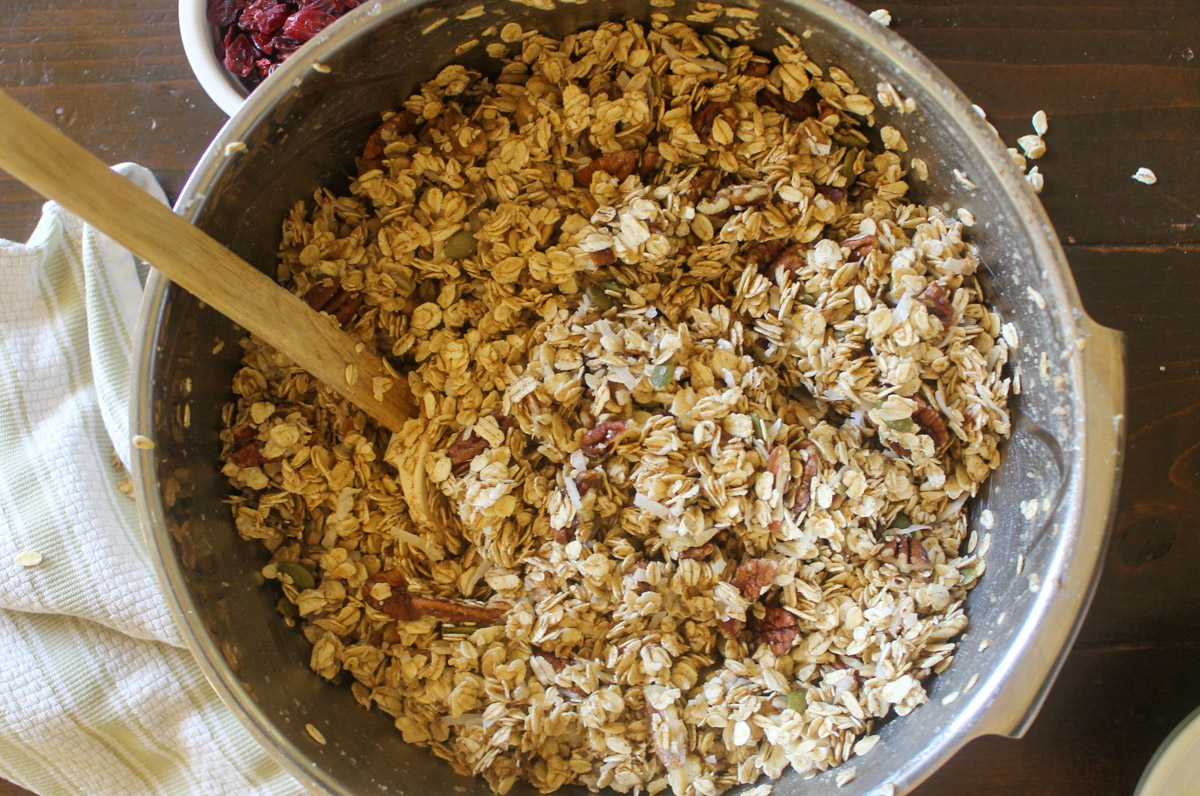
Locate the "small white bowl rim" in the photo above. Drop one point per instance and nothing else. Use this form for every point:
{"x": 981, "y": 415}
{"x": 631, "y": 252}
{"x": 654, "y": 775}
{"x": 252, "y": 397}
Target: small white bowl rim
{"x": 199, "y": 45}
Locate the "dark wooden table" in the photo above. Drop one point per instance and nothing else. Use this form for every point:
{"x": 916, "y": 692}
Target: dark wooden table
{"x": 1121, "y": 84}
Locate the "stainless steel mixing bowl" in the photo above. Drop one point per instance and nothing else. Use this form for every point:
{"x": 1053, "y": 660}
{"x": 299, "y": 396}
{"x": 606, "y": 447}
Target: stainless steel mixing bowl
{"x": 302, "y": 129}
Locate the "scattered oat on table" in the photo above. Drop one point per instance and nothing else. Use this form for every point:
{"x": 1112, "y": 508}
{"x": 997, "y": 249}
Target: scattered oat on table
{"x": 702, "y": 399}
{"x": 1041, "y": 124}
{"x": 315, "y": 734}
{"x": 882, "y": 16}
{"x": 142, "y": 442}
{"x": 29, "y": 558}
{"x": 1145, "y": 175}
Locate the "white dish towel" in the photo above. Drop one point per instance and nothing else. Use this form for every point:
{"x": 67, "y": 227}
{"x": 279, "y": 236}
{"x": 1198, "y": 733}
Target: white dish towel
{"x": 99, "y": 696}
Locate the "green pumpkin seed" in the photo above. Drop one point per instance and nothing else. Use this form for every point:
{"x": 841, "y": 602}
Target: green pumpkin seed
{"x": 458, "y": 630}
{"x": 903, "y": 425}
{"x": 900, "y": 522}
{"x": 302, "y": 577}
{"x": 808, "y": 299}
{"x": 461, "y": 244}
{"x": 662, "y": 375}
{"x": 968, "y": 577}
{"x": 600, "y": 299}
{"x": 797, "y": 699}
{"x": 848, "y": 165}
{"x": 759, "y": 431}
{"x": 287, "y": 608}
{"x": 851, "y": 138}
{"x": 716, "y": 47}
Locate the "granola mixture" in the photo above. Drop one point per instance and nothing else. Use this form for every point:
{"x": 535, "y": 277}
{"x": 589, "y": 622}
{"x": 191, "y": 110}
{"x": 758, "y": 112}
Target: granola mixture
{"x": 701, "y": 399}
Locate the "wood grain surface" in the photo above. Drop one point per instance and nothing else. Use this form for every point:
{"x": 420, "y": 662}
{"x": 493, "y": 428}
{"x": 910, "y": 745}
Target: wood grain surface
{"x": 1121, "y": 84}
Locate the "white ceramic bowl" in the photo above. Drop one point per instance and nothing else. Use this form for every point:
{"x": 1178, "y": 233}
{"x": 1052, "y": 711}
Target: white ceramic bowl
{"x": 1175, "y": 768}
{"x": 203, "y": 52}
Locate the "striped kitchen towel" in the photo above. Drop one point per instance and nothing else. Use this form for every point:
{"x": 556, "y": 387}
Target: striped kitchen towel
{"x": 100, "y": 697}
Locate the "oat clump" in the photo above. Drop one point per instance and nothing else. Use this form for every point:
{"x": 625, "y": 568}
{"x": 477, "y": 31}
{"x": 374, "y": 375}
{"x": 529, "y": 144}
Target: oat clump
{"x": 702, "y": 397}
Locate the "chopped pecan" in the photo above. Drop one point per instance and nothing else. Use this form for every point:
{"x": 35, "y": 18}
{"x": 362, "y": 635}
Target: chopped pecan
{"x": 600, "y": 440}
{"x": 588, "y": 480}
{"x": 397, "y": 124}
{"x": 861, "y": 246}
{"x": 756, "y": 68}
{"x": 729, "y": 628}
{"x": 557, "y": 662}
{"x": 804, "y": 489}
{"x": 779, "y": 465}
{"x": 619, "y": 164}
{"x": 753, "y": 576}
{"x": 643, "y": 587}
{"x": 762, "y": 253}
{"x": 907, "y": 553}
{"x": 566, "y": 534}
{"x": 931, "y": 423}
{"x": 937, "y": 302}
{"x": 245, "y": 449}
{"x": 648, "y": 162}
{"x": 791, "y": 259}
{"x": 832, "y": 192}
{"x": 603, "y": 257}
{"x": 408, "y": 607}
{"x": 801, "y": 109}
{"x": 332, "y": 299}
{"x": 777, "y": 629}
{"x": 700, "y": 551}
{"x": 466, "y": 142}
{"x": 463, "y": 449}
{"x": 702, "y": 120}
{"x": 702, "y": 183}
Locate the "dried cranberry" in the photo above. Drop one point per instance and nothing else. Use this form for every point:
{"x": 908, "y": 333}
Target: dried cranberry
{"x": 239, "y": 56}
{"x": 263, "y": 16}
{"x": 306, "y": 23}
{"x": 223, "y": 12}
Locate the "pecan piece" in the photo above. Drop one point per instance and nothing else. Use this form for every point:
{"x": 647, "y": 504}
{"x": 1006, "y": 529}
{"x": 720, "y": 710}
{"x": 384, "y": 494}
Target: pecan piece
{"x": 762, "y": 253}
{"x": 700, "y": 551}
{"x": 907, "y": 553}
{"x": 603, "y": 257}
{"x": 791, "y": 259}
{"x": 777, "y": 629}
{"x": 558, "y": 663}
{"x": 466, "y": 143}
{"x": 332, "y": 299}
{"x": 936, "y": 300}
{"x": 757, "y": 68}
{"x": 397, "y": 124}
{"x": 931, "y": 423}
{"x": 566, "y": 534}
{"x": 753, "y": 576}
{"x": 408, "y": 607}
{"x": 463, "y": 449}
{"x": 729, "y": 628}
{"x": 811, "y": 465}
{"x": 601, "y": 439}
{"x": 619, "y": 164}
{"x": 832, "y": 192}
{"x": 801, "y": 109}
{"x": 702, "y": 120}
{"x": 861, "y": 246}
{"x": 588, "y": 480}
{"x": 245, "y": 449}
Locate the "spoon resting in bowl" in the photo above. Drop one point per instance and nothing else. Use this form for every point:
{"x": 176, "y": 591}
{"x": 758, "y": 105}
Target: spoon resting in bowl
{"x": 55, "y": 166}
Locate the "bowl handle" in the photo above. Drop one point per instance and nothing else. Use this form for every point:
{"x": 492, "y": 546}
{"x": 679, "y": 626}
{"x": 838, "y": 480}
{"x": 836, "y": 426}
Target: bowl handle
{"x": 1102, "y": 352}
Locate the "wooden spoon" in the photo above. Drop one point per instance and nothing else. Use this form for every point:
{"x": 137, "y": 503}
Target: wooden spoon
{"x": 58, "y": 168}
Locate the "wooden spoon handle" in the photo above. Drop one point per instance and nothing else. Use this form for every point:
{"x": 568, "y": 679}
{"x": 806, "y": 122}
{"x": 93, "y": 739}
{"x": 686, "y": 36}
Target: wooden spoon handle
{"x": 58, "y": 168}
